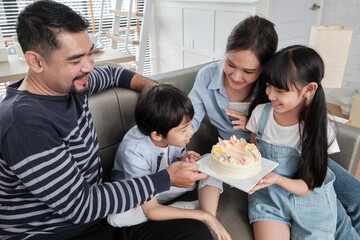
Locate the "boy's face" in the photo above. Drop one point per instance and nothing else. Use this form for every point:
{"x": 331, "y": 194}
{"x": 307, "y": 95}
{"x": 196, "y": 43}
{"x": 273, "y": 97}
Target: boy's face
{"x": 180, "y": 136}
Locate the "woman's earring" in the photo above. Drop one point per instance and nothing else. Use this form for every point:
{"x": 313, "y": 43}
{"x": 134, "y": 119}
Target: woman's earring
{"x": 310, "y": 97}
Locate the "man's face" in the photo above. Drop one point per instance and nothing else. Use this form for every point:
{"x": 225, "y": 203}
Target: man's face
{"x": 68, "y": 69}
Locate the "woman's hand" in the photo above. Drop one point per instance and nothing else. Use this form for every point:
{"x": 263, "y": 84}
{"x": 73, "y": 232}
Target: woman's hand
{"x": 270, "y": 179}
{"x": 191, "y": 156}
{"x": 216, "y": 227}
{"x": 240, "y": 120}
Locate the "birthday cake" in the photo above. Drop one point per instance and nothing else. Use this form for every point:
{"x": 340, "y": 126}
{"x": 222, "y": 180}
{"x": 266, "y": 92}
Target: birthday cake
{"x": 235, "y": 158}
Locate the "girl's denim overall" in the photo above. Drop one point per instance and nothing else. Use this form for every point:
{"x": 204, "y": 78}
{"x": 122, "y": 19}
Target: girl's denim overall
{"x": 309, "y": 217}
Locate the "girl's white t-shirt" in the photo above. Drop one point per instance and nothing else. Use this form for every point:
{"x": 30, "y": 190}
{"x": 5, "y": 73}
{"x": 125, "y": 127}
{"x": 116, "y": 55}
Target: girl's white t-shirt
{"x": 289, "y": 135}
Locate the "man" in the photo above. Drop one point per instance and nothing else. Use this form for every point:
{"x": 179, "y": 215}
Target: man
{"x": 50, "y": 171}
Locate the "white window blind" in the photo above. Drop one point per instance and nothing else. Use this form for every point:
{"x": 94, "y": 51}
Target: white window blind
{"x": 10, "y": 9}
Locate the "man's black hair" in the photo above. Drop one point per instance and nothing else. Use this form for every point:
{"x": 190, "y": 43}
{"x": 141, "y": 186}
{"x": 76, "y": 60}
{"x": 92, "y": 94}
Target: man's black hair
{"x": 40, "y": 23}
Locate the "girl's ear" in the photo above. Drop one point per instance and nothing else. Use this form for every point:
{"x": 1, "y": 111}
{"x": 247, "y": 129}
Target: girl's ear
{"x": 310, "y": 89}
{"x": 155, "y": 136}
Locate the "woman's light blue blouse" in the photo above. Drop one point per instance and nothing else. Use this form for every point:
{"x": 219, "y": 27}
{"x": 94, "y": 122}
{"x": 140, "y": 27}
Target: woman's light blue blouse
{"x": 209, "y": 96}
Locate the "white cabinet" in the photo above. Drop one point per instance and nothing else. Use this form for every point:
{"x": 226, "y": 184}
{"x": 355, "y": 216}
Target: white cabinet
{"x": 187, "y": 33}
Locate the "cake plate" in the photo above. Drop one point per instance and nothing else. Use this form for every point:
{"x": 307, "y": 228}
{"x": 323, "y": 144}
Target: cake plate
{"x": 243, "y": 184}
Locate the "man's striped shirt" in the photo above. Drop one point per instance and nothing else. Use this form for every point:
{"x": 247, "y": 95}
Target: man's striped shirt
{"x": 50, "y": 170}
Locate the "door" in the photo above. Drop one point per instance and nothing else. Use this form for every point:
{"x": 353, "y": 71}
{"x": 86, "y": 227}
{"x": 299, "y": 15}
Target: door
{"x": 293, "y": 20}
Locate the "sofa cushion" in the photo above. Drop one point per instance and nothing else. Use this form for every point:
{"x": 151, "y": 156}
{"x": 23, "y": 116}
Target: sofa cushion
{"x": 348, "y": 138}
{"x": 106, "y": 117}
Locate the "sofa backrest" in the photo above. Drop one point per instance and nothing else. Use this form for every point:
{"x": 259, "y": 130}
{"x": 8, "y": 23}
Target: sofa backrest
{"x": 113, "y": 115}
{"x": 113, "y": 110}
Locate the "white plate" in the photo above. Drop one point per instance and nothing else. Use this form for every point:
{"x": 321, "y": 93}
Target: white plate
{"x": 243, "y": 184}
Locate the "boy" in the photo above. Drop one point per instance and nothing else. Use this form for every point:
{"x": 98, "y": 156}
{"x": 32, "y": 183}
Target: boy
{"x": 163, "y": 128}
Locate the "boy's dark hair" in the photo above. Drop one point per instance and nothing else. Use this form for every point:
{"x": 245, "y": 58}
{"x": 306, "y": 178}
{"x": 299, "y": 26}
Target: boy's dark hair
{"x": 40, "y": 23}
{"x": 161, "y": 108}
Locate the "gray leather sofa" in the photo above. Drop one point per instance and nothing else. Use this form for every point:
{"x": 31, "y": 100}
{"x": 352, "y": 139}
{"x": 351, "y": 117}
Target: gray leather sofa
{"x": 113, "y": 116}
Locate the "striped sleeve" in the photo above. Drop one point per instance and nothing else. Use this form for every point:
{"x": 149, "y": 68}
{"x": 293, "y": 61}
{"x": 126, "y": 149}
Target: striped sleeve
{"x": 109, "y": 76}
{"x": 57, "y": 183}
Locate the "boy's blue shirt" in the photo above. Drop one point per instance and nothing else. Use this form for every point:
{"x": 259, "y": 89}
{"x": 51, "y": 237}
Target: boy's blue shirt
{"x": 137, "y": 156}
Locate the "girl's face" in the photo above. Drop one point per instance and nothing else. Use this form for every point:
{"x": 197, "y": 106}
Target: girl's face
{"x": 287, "y": 101}
{"x": 241, "y": 69}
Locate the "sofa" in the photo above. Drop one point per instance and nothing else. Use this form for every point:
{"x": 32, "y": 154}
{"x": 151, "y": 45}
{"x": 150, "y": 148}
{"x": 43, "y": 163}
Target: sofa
{"x": 113, "y": 115}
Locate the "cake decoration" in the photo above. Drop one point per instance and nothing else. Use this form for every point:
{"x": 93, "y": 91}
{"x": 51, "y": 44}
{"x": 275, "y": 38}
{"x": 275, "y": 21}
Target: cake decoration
{"x": 235, "y": 158}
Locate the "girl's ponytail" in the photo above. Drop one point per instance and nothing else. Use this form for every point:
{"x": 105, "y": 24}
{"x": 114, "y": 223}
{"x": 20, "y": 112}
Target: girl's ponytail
{"x": 312, "y": 167}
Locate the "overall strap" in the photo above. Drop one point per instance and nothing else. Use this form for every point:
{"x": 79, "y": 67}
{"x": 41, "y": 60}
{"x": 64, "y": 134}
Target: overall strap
{"x": 263, "y": 120}
{"x": 158, "y": 162}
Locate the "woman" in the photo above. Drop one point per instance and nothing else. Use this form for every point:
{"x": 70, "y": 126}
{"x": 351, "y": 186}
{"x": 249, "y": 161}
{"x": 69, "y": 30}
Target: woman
{"x": 224, "y": 91}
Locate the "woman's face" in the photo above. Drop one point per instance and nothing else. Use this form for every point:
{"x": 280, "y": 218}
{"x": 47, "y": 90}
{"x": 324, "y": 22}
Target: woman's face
{"x": 241, "y": 69}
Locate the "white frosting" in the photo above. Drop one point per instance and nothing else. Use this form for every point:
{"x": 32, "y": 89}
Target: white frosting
{"x": 235, "y": 158}
{"x": 235, "y": 171}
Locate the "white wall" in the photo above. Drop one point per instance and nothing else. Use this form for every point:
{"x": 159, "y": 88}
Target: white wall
{"x": 346, "y": 13}
{"x": 191, "y": 32}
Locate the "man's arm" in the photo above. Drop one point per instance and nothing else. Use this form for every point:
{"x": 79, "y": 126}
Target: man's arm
{"x": 49, "y": 175}
{"x": 109, "y": 76}
{"x": 138, "y": 82}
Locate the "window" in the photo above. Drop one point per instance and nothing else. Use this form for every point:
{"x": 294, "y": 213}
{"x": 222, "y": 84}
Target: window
{"x": 9, "y": 10}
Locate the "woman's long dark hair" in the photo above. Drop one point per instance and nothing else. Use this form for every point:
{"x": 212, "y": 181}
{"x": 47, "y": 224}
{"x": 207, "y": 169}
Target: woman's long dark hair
{"x": 256, "y": 34}
{"x": 298, "y": 66}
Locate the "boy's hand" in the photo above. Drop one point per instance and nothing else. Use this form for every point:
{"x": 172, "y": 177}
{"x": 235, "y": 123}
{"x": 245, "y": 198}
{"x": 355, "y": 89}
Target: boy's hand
{"x": 191, "y": 156}
{"x": 183, "y": 174}
{"x": 216, "y": 227}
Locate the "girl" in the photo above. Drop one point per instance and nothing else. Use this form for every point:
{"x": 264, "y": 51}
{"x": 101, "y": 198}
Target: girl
{"x": 297, "y": 200}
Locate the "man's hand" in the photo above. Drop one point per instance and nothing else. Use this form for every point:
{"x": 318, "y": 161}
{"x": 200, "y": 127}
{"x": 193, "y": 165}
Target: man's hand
{"x": 184, "y": 174}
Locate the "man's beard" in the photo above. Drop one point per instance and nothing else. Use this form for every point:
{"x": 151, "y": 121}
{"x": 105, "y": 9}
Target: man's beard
{"x": 83, "y": 92}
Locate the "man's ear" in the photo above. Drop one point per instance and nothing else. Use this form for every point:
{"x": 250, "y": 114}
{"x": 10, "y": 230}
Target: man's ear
{"x": 155, "y": 136}
{"x": 35, "y": 61}
{"x": 310, "y": 89}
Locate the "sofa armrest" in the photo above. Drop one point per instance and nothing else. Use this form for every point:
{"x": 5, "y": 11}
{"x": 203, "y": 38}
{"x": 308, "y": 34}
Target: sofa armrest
{"x": 348, "y": 138}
